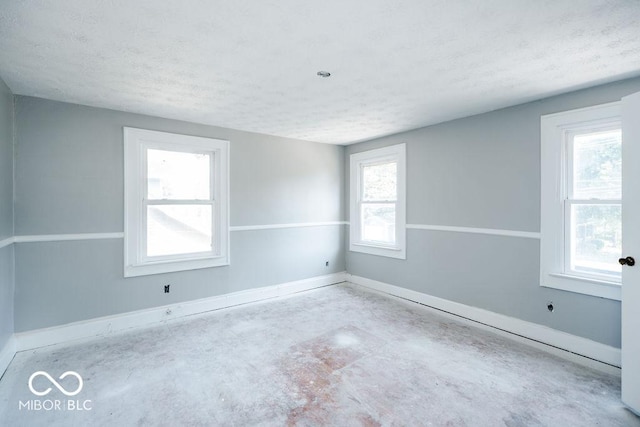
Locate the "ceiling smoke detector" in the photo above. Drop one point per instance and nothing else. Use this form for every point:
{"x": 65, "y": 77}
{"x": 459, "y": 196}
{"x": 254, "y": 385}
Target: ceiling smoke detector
{"x": 323, "y": 73}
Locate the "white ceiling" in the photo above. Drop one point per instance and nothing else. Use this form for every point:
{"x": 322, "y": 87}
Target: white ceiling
{"x": 251, "y": 64}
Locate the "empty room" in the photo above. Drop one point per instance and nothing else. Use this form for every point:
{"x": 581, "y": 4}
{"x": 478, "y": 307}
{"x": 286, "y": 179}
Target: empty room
{"x": 295, "y": 213}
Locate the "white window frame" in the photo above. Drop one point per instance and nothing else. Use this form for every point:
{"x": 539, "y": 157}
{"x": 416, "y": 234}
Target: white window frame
{"x": 395, "y": 153}
{"x": 556, "y": 152}
{"x": 136, "y": 144}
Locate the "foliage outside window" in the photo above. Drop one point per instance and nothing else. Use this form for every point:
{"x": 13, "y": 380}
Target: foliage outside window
{"x": 581, "y": 197}
{"x": 594, "y": 205}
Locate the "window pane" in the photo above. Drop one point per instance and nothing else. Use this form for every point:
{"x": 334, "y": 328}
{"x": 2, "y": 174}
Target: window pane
{"x": 178, "y": 175}
{"x": 178, "y": 229}
{"x": 596, "y": 239}
{"x": 379, "y": 223}
{"x": 379, "y": 181}
{"x": 597, "y": 168}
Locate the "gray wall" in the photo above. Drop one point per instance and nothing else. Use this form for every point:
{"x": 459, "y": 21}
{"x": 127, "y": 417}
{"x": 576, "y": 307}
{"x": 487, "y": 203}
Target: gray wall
{"x": 69, "y": 179}
{"x": 484, "y": 171}
{"x": 6, "y": 213}
{"x": 481, "y": 171}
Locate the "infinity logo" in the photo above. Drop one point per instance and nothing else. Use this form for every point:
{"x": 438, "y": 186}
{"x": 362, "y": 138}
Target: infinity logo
{"x": 55, "y": 383}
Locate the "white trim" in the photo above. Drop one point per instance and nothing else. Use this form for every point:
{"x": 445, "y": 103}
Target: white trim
{"x": 583, "y": 285}
{"x": 357, "y": 161}
{"x": 572, "y": 347}
{"x": 290, "y": 225}
{"x": 492, "y": 231}
{"x": 106, "y": 325}
{"x": 554, "y": 270}
{"x": 120, "y": 235}
{"x": 589, "y": 113}
{"x": 137, "y": 142}
{"x": 7, "y": 242}
{"x": 7, "y": 353}
{"x": 65, "y": 237}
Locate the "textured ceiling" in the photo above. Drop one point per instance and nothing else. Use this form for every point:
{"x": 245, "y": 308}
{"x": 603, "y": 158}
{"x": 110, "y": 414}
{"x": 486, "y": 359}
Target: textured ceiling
{"x": 251, "y": 64}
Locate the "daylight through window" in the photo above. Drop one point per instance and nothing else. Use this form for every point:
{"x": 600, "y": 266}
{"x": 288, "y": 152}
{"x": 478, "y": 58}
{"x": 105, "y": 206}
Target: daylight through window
{"x": 176, "y": 202}
{"x": 594, "y": 204}
{"x": 378, "y": 202}
{"x": 581, "y": 201}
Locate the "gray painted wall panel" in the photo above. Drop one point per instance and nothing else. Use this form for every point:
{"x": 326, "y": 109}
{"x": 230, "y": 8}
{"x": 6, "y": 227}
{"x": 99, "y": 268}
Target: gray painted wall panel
{"x": 69, "y": 170}
{"x": 6, "y": 295}
{"x": 484, "y": 171}
{"x": 481, "y": 171}
{"x": 495, "y": 273}
{"x": 6, "y": 161}
{"x": 62, "y": 282}
{"x": 6, "y": 213}
{"x": 285, "y": 182}
{"x": 69, "y": 179}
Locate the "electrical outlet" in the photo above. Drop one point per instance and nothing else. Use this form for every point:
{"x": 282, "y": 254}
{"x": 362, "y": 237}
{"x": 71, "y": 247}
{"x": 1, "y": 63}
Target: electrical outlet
{"x": 166, "y": 289}
{"x": 326, "y": 264}
{"x": 550, "y": 306}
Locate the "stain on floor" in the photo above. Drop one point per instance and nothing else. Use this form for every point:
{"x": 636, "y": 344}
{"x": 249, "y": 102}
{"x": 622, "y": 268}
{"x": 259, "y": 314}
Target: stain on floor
{"x": 313, "y": 369}
{"x": 336, "y": 356}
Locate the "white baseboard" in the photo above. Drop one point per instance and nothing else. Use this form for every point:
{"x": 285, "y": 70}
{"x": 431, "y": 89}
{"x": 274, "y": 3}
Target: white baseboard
{"x": 105, "y": 325}
{"x": 6, "y": 354}
{"x": 568, "y": 346}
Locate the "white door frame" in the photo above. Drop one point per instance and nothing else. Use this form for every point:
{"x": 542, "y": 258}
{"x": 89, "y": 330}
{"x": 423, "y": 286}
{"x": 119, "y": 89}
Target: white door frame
{"x": 631, "y": 247}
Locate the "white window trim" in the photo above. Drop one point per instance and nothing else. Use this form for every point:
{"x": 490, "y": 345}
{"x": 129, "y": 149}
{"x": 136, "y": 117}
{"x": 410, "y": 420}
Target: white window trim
{"x": 553, "y": 193}
{"x": 357, "y": 160}
{"x": 136, "y": 141}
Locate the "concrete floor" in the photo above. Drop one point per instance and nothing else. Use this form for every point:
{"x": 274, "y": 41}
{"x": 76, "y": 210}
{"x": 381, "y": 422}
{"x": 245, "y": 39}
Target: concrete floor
{"x": 337, "y": 356}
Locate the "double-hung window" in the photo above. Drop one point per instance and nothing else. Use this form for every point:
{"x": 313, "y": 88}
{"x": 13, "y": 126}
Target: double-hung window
{"x": 377, "y": 208}
{"x": 176, "y": 202}
{"x": 582, "y": 201}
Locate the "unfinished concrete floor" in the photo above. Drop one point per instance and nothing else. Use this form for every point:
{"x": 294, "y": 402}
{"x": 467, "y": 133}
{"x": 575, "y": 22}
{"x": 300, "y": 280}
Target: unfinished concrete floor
{"x": 337, "y": 356}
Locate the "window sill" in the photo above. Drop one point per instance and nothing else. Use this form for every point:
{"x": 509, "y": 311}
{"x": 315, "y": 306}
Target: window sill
{"x": 582, "y": 285}
{"x": 386, "y": 251}
{"x": 173, "y": 266}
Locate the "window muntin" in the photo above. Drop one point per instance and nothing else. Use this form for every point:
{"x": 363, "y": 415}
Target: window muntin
{"x": 377, "y": 223}
{"x": 176, "y": 202}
